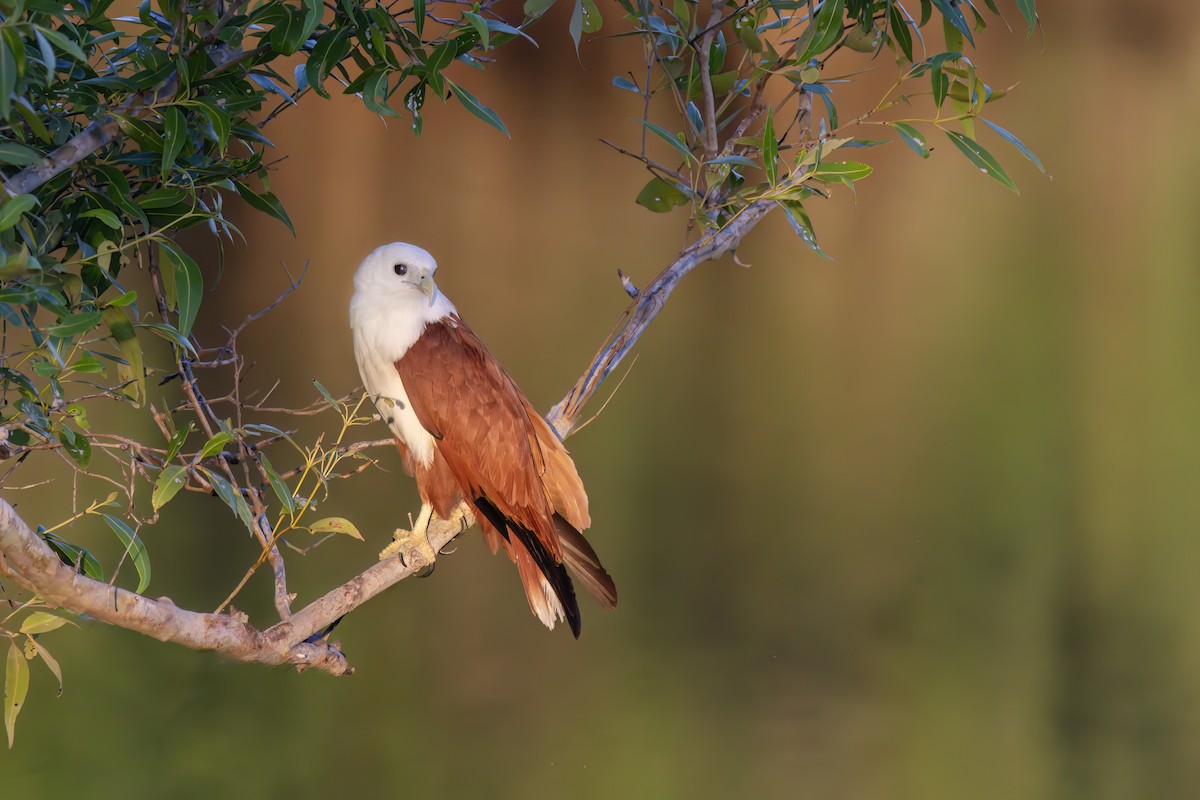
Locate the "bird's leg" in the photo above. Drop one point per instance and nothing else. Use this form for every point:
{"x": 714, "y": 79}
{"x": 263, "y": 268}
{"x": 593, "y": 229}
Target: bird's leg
{"x": 412, "y": 546}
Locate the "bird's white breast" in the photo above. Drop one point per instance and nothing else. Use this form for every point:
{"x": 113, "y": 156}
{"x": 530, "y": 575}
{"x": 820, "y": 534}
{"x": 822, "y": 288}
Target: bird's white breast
{"x": 383, "y": 333}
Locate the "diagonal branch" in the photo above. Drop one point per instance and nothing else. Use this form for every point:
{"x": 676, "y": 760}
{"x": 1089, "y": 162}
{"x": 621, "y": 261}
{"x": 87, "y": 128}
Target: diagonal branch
{"x": 564, "y": 417}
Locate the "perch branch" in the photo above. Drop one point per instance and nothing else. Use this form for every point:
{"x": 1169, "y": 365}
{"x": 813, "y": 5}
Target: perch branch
{"x": 301, "y": 639}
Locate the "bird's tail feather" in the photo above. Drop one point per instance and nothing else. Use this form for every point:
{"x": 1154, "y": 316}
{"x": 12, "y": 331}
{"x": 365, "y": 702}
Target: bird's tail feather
{"x": 582, "y": 560}
{"x": 547, "y": 585}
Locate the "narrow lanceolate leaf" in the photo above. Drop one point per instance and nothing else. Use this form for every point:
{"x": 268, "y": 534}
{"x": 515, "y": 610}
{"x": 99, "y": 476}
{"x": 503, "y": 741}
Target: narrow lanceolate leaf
{"x": 134, "y": 548}
{"x": 336, "y": 525}
{"x": 472, "y": 104}
{"x": 42, "y": 622}
{"x": 575, "y": 26}
{"x": 954, "y": 14}
{"x": 174, "y": 133}
{"x": 797, "y": 217}
{"x": 16, "y": 686}
{"x": 980, "y": 157}
{"x": 8, "y": 82}
{"x": 1029, "y": 12}
{"x": 770, "y": 148}
{"x": 1017, "y": 143}
{"x": 913, "y": 138}
{"x": 841, "y": 171}
{"x": 278, "y": 484}
{"x": 170, "y": 481}
{"x": 121, "y": 329}
{"x": 216, "y": 444}
{"x": 230, "y": 495}
{"x": 76, "y": 324}
{"x": 419, "y": 16}
{"x": 827, "y": 29}
{"x": 189, "y": 283}
{"x": 667, "y": 137}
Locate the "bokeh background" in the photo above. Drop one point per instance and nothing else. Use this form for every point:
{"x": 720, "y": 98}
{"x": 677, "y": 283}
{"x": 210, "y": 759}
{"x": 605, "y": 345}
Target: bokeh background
{"x": 921, "y": 522}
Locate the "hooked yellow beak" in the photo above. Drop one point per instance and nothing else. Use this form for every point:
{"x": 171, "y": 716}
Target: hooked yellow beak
{"x": 427, "y": 286}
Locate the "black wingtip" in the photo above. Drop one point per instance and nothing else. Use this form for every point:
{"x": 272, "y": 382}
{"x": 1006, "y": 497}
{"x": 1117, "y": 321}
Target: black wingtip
{"x": 556, "y": 574}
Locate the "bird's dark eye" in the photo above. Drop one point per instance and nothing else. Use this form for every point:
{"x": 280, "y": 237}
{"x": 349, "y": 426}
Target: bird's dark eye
{"x": 401, "y": 269}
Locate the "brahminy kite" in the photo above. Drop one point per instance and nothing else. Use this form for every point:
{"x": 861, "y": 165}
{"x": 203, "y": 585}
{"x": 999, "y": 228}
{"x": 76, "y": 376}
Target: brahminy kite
{"x": 466, "y": 432}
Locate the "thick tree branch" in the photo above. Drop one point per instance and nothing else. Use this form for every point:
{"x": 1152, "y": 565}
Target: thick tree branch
{"x": 27, "y": 559}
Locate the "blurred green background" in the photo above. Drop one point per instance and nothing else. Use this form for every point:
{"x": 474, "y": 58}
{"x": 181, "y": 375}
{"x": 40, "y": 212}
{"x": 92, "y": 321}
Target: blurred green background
{"x": 917, "y": 523}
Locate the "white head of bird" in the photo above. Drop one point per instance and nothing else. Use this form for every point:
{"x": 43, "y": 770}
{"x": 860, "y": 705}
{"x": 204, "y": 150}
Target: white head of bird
{"x": 395, "y": 297}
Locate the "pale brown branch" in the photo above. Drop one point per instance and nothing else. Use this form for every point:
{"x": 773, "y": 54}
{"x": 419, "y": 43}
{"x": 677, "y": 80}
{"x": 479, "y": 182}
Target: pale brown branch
{"x": 638, "y": 316}
{"x": 28, "y": 560}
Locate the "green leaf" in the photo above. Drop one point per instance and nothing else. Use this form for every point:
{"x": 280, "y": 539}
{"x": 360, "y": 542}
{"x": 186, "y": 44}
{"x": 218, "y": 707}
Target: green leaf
{"x": 1029, "y": 12}
{"x": 231, "y": 497}
{"x": 266, "y": 202}
{"x": 535, "y": 8}
{"x": 171, "y": 335}
{"x": 826, "y": 30}
{"x": 11, "y": 211}
{"x": 121, "y": 329}
{"x": 626, "y": 84}
{"x": 954, "y": 14}
{"x": 981, "y": 158}
{"x": 419, "y": 17}
{"x": 336, "y": 525}
{"x": 325, "y": 394}
{"x": 77, "y": 446}
{"x": 667, "y": 137}
{"x": 219, "y": 119}
{"x": 126, "y": 299}
{"x": 172, "y": 478}
{"x": 216, "y": 444}
{"x": 174, "y": 135}
{"x": 841, "y": 171}
{"x": 592, "y": 21}
{"x": 898, "y": 30}
{"x": 16, "y": 686}
{"x": 797, "y": 217}
{"x": 133, "y": 548}
{"x": 660, "y": 196}
{"x": 329, "y": 50}
{"x": 64, "y": 44}
{"x": 17, "y": 154}
{"x": 75, "y": 556}
{"x": 913, "y": 138}
{"x": 480, "y": 26}
{"x": 770, "y": 147}
{"x": 189, "y": 283}
{"x": 473, "y": 105}
{"x": 42, "y": 622}
{"x": 1017, "y": 143}
{"x": 278, "y": 484}
{"x": 76, "y": 324}
{"x": 105, "y": 216}
{"x": 8, "y": 82}
{"x": 177, "y": 441}
{"x": 940, "y": 83}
